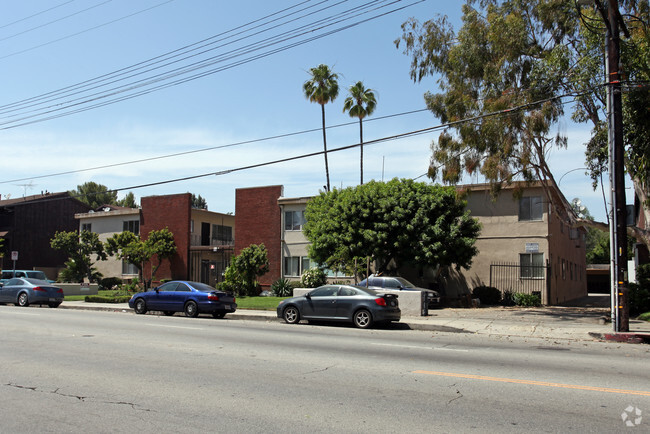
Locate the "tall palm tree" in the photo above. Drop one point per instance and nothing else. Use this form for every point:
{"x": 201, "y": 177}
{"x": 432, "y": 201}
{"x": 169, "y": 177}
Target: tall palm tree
{"x": 322, "y": 88}
{"x": 359, "y": 104}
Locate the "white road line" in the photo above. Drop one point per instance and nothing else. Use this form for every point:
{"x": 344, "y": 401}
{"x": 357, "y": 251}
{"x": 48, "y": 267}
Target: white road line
{"x": 420, "y": 347}
{"x": 174, "y": 327}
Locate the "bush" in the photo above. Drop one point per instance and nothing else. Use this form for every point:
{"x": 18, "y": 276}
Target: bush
{"x": 281, "y": 288}
{"x": 639, "y": 293}
{"x": 508, "y": 298}
{"x": 487, "y": 294}
{"x": 134, "y": 286}
{"x": 109, "y": 283}
{"x": 313, "y": 278}
{"x": 527, "y": 300}
{"x": 103, "y": 299}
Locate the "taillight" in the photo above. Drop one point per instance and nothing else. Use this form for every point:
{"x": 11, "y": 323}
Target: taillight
{"x": 380, "y": 301}
{"x": 38, "y": 288}
{"x": 213, "y": 297}
{"x": 59, "y": 291}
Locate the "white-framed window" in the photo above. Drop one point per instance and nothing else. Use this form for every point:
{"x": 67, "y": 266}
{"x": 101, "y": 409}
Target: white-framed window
{"x": 129, "y": 268}
{"x": 294, "y": 220}
{"x": 131, "y": 226}
{"x": 292, "y": 266}
{"x": 86, "y": 227}
{"x": 531, "y": 266}
{"x": 531, "y": 208}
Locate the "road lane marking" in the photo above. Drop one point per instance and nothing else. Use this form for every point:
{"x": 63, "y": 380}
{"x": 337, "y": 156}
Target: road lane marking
{"x": 419, "y": 347}
{"x": 536, "y": 383}
{"x": 174, "y": 327}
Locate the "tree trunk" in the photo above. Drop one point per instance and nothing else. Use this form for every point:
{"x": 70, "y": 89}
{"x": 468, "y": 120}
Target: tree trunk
{"x": 361, "y": 146}
{"x": 327, "y": 169}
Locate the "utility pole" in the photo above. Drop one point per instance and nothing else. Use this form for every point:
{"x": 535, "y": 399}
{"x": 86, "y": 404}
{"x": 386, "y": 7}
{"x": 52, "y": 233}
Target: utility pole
{"x": 618, "y": 222}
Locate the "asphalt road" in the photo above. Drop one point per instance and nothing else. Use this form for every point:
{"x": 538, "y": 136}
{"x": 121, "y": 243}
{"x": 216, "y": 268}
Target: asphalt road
{"x": 79, "y": 371}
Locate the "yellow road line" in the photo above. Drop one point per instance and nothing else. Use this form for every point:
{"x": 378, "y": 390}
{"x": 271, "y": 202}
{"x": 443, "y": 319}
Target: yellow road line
{"x": 536, "y": 383}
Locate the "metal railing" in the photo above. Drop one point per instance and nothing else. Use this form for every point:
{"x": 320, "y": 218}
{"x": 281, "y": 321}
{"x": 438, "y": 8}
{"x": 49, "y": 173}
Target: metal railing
{"x": 516, "y": 278}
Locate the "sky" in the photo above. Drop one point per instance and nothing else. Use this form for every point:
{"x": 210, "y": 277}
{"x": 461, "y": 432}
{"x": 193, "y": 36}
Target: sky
{"x": 134, "y": 94}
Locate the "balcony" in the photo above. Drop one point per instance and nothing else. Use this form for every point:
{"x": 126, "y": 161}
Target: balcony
{"x": 214, "y": 242}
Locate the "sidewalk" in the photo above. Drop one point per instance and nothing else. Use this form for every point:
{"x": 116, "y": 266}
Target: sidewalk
{"x": 582, "y": 323}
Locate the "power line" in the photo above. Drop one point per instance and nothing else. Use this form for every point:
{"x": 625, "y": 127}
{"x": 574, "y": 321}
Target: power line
{"x": 35, "y": 15}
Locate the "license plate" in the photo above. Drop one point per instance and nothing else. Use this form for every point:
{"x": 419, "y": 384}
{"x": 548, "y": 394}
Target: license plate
{"x": 227, "y": 306}
{"x": 52, "y": 299}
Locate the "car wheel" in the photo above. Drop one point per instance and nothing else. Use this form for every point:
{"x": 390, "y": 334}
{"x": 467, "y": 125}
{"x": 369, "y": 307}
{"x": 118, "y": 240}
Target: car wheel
{"x": 362, "y": 319}
{"x": 191, "y": 309}
{"x": 169, "y": 312}
{"x": 140, "y": 306}
{"x": 23, "y": 300}
{"x": 291, "y": 315}
{"x": 54, "y": 304}
{"x": 219, "y": 314}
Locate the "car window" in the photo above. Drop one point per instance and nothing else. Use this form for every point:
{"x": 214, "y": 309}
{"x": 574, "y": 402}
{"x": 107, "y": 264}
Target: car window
{"x": 182, "y": 287}
{"x": 7, "y": 274}
{"x": 168, "y": 287}
{"x": 347, "y": 292}
{"x": 37, "y": 275}
{"x": 392, "y": 283}
{"x": 405, "y": 283}
{"x": 201, "y": 286}
{"x": 14, "y": 282}
{"x": 373, "y": 281}
{"x": 20, "y": 274}
{"x": 325, "y": 291}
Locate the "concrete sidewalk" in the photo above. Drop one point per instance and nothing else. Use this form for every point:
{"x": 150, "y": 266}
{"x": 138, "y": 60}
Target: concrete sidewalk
{"x": 580, "y": 323}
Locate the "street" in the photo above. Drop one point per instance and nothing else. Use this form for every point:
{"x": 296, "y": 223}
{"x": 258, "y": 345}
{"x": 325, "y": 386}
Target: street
{"x": 84, "y": 371}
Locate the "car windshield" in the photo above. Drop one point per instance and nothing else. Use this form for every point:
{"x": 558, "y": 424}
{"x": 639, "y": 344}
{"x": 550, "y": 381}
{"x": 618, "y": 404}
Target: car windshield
{"x": 37, "y": 275}
{"x": 405, "y": 283}
{"x": 201, "y": 287}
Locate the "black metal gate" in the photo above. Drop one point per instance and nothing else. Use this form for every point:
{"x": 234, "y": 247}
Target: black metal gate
{"x": 517, "y": 278}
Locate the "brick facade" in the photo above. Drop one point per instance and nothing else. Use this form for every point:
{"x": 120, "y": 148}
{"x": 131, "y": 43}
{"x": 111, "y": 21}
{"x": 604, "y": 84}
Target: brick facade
{"x": 173, "y": 212}
{"x": 259, "y": 221}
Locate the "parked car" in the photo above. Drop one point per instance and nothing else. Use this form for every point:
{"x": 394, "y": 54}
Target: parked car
{"x": 23, "y": 291}
{"x": 400, "y": 284}
{"x": 361, "y": 306}
{"x": 184, "y": 296}
{"x": 33, "y": 274}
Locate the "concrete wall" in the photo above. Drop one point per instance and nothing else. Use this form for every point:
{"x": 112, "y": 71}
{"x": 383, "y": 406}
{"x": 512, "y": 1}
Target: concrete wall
{"x": 77, "y": 289}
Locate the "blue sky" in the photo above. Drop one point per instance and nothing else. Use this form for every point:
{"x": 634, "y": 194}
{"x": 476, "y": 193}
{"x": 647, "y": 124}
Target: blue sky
{"x": 48, "y": 45}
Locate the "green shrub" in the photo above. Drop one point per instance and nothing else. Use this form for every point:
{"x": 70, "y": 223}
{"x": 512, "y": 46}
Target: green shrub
{"x": 644, "y": 316}
{"x": 639, "y": 298}
{"x": 109, "y": 283}
{"x": 313, "y": 278}
{"x": 104, "y": 299}
{"x": 527, "y": 300}
{"x": 487, "y": 294}
{"x": 134, "y": 286}
{"x": 508, "y": 298}
{"x": 281, "y": 288}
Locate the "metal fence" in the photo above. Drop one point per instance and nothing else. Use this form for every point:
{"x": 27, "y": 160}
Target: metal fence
{"x": 516, "y": 278}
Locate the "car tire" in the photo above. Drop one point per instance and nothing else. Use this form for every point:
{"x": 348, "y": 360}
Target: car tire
{"x": 191, "y": 309}
{"x": 54, "y": 305}
{"x": 140, "y": 306}
{"x": 169, "y": 312}
{"x": 23, "y": 300}
{"x": 362, "y": 319}
{"x": 291, "y": 315}
{"x": 218, "y": 314}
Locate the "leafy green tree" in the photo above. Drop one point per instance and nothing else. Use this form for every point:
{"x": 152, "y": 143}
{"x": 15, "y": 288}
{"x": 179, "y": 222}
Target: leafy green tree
{"x": 80, "y": 247}
{"x": 128, "y": 201}
{"x": 95, "y": 195}
{"x": 395, "y": 223}
{"x": 241, "y": 276}
{"x": 360, "y": 103}
{"x": 321, "y": 88}
{"x": 502, "y": 76}
{"x": 199, "y": 202}
{"x": 158, "y": 246}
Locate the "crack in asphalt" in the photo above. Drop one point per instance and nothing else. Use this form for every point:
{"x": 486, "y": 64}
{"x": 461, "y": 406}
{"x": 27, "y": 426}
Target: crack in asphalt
{"x": 318, "y": 370}
{"x": 56, "y": 391}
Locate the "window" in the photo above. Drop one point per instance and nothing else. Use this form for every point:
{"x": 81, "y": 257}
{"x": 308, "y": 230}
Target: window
{"x": 221, "y": 234}
{"x": 347, "y": 292}
{"x": 131, "y": 226}
{"x": 129, "y": 268}
{"x": 305, "y": 263}
{"x": 86, "y": 227}
{"x": 192, "y": 226}
{"x": 292, "y": 266}
{"x": 325, "y": 291}
{"x": 294, "y": 220}
{"x": 531, "y": 265}
{"x": 530, "y": 208}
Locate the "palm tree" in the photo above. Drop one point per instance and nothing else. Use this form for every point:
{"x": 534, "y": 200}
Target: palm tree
{"x": 359, "y": 104}
{"x": 322, "y": 88}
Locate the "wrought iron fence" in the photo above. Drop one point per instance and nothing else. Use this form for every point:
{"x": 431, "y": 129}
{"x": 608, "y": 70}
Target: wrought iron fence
{"x": 517, "y": 278}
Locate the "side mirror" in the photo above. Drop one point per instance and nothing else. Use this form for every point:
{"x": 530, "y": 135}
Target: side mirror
{"x": 307, "y": 296}
{"x": 156, "y": 289}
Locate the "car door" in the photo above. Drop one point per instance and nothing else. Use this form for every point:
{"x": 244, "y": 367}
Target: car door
{"x": 161, "y": 298}
{"x": 347, "y": 301}
{"x": 10, "y": 290}
{"x": 321, "y": 303}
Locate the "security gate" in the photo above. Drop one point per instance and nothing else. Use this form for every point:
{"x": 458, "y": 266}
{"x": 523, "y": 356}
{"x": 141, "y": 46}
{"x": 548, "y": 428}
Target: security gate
{"x": 517, "y": 278}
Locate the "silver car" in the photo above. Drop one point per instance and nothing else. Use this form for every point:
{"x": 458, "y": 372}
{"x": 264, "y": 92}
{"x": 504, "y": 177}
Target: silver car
{"x": 361, "y": 306}
{"x": 23, "y": 291}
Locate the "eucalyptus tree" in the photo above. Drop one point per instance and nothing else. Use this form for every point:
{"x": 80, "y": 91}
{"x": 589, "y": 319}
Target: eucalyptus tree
{"x": 360, "y": 103}
{"x": 322, "y": 88}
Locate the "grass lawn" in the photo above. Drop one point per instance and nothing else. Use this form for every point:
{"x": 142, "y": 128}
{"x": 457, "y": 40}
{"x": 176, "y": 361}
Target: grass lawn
{"x": 257, "y": 303}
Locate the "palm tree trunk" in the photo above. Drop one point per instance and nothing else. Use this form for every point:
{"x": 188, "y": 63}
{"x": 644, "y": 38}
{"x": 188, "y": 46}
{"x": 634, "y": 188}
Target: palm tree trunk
{"x": 361, "y": 146}
{"x": 327, "y": 169}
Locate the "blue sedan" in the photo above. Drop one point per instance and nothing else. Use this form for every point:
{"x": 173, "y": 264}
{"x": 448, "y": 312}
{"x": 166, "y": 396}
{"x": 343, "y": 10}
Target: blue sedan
{"x": 184, "y": 296}
{"x": 23, "y": 291}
